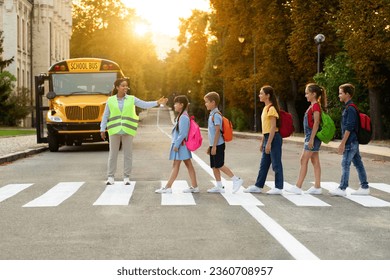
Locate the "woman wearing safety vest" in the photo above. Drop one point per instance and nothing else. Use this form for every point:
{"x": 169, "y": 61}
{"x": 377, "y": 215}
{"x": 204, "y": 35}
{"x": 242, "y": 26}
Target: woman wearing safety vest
{"x": 121, "y": 122}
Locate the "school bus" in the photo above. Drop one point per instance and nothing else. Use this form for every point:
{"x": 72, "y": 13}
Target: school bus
{"x": 77, "y": 91}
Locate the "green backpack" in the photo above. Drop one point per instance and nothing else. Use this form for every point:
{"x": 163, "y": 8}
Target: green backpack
{"x": 328, "y": 128}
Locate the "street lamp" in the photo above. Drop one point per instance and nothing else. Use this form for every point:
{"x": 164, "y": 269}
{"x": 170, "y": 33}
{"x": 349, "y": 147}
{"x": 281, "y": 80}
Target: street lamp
{"x": 241, "y": 39}
{"x": 318, "y": 39}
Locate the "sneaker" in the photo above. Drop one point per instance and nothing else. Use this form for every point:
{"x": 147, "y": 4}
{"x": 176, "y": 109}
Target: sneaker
{"x": 126, "y": 181}
{"x": 253, "y": 189}
{"x": 110, "y": 181}
{"x": 164, "y": 190}
{"x": 314, "y": 190}
{"x": 191, "y": 190}
{"x": 275, "y": 191}
{"x": 293, "y": 189}
{"x": 361, "y": 191}
{"x": 237, "y": 184}
{"x": 216, "y": 189}
{"x": 338, "y": 192}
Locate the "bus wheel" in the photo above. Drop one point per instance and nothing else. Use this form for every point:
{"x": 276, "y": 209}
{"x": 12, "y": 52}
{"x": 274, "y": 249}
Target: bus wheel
{"x": 53, "y": 142}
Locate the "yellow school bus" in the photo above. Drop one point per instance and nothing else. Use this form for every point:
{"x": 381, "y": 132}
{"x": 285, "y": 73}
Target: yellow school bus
{"x": 77, "y": 91}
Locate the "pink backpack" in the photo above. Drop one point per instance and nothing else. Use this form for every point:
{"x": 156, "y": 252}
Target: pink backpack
{"x": 194, "y": 138}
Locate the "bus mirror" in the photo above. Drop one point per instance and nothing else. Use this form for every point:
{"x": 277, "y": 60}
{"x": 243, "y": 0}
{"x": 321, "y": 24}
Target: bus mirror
{"x": 41, "y": 89}
{"x": 41, "y": 79}
{"x": 51, "y": 95}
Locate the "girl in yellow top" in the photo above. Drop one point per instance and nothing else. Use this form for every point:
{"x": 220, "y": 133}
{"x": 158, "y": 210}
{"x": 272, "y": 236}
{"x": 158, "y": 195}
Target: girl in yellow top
{"x": 271, "y": 144}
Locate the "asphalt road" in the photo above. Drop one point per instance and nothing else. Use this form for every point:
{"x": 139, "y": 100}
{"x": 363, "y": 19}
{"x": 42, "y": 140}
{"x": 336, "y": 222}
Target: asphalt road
{"x": 149, "y": 226}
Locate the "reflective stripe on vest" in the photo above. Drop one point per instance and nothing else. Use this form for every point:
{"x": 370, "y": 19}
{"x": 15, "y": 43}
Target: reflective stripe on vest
{"x": 127, "y": 120}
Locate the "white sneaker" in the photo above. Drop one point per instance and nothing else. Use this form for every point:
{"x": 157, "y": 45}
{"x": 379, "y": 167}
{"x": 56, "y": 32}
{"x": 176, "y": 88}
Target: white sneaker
{"x": 237, "y": 184}
{"x": 361, "y": 191}
{"x": 126, "y": 181}
{"x": 110, "y": 181}
{"x": 163, "y": 190}
{"x": 314, "y": 190}
{"x": 293, "y": 189}
{"x": 274, "y": 191}
{"x": 338, "y": 192}
{"x": 216, "y": 189}
{"x": 253, "y": 189}
{"x": 191, "y": 190}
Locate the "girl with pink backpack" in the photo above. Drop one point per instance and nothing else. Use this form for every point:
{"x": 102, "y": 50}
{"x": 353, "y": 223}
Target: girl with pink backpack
{"x": 179, "y": 151}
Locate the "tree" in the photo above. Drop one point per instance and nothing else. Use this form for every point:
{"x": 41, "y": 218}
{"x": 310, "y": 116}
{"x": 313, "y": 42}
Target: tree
{"x": 6, "y": 88}
{"x": 105, "y": 29}
{"x": 364, "y": 27}
{"x": 338, "y": 70}
{"x": 3, "y": 63}
{"x": 6, "y": 85}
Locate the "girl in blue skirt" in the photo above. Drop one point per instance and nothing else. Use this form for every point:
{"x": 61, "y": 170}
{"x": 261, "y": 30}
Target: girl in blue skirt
{"x": 179, "y": 151}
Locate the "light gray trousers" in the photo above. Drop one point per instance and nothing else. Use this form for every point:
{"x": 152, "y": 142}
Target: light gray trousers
{"x": 127, "y": 147}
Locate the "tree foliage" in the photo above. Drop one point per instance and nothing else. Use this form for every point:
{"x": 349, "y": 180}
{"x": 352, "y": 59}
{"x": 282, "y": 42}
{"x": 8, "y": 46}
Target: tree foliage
{"x": 278, "y": 49}
{"x": 105, "y": 29}
{"x": 6, "y": 62}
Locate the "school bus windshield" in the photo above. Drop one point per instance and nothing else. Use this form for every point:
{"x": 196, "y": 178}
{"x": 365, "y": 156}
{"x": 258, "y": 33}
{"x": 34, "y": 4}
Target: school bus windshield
{"x": 83, "y": 83}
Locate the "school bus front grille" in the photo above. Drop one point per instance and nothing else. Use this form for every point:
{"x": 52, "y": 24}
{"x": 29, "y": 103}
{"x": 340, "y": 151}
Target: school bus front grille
{"x": 78, "y": 113}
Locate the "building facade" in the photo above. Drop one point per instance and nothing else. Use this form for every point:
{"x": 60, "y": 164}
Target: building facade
{"x": 37, "y": 34}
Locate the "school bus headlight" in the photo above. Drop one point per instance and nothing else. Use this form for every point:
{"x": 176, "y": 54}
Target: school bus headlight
{"x": 55, "y": 119}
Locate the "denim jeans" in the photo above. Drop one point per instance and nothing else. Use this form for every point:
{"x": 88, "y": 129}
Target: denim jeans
{"x": 274, "y": 158}
{"x": 352, "y": 154}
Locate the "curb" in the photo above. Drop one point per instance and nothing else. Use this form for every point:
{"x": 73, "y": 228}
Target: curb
{"x": 332, "y": 146}
{"x": 23, "y": 154}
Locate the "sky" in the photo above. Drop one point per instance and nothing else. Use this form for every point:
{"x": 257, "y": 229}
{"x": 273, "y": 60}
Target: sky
{"x": 163, "y": 19}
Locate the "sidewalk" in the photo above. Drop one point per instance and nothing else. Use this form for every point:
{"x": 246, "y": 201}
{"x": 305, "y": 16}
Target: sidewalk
{"x": 17, "y": 147}
{"x": 374, "y": 150}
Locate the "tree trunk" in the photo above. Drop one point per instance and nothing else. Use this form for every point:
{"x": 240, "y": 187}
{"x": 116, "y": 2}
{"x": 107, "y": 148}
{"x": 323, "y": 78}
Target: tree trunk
{"x": 375, "y": 113}
{"x": 291, "y": 105}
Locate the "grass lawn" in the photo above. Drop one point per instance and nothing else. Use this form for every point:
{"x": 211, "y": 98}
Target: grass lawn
{"x": 16, "y": 131}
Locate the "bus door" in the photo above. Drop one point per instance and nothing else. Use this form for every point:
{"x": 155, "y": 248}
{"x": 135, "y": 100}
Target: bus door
{"x": 41, "y": 107}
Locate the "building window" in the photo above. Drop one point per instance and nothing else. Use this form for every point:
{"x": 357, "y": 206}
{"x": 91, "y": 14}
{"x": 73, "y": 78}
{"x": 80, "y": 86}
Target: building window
{"x": 18, "y": 31}
{"x": 23, "y": 35}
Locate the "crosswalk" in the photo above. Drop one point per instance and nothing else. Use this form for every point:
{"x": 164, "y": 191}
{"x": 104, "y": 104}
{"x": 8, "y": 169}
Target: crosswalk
{"x": 120, "y": 194}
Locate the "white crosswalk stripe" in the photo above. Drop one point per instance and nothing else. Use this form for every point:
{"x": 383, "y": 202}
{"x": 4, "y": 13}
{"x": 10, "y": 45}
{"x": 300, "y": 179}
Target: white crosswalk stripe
{"x": 299, "y": 200}
{"x": 120, "y": 194}
{"x": 11, "y": 190}
{"x": 238, "y": 198}
{"x": 117, "y": 194}
{"x": 365, "y": 200}
{"x": 380, "y": 186}
{"x": 56, "y": 195}
{"x": 177, "y": 197}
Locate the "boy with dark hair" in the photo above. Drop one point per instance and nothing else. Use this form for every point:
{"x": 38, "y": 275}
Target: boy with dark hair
{"x": 349, "y": 146}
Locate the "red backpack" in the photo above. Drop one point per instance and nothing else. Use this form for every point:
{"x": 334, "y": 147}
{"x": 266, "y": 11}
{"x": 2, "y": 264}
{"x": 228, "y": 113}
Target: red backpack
{"x": 286, "y": 127}
{"x": 364, "y": 132}
{"x": 286, "y": 124}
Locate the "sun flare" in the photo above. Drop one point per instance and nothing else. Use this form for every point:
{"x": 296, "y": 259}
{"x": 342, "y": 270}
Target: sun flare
{"x": 141, "y": 29}
{"x": 162, "y": 19}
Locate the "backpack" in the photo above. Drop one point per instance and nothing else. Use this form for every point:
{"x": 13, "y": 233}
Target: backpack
{"x": 328, "y": 129}
{"x": 226, "y": 129}
{"x": 194, "y": 138}
{"x": 286, "y": 127}
{"x": 364, "y": 132}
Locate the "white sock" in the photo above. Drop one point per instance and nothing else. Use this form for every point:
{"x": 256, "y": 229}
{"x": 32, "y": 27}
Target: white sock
{"x": 219, "y": 184}
{"x": 235, "y": 178}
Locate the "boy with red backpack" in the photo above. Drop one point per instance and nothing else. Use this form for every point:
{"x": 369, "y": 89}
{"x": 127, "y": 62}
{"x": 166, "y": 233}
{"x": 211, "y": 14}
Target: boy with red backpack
{"x": 349, "y": 146}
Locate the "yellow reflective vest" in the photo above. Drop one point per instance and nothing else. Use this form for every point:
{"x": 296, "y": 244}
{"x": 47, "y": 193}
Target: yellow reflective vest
{"x": 127, "y": 120}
